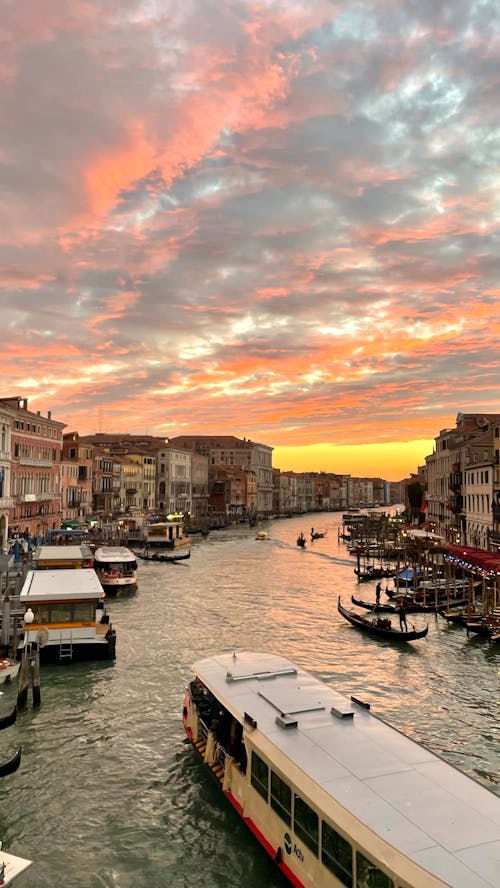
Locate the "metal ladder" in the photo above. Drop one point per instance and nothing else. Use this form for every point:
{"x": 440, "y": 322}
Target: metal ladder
{"x": 65, "y": 650}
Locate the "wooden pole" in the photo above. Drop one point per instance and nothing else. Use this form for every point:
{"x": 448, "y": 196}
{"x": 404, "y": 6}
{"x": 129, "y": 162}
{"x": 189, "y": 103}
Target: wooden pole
{"x": 24, "y": 678}
{"x": 35, "y": 676}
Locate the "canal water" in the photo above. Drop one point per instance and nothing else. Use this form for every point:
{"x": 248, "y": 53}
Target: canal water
{"x": 110, "y": 795}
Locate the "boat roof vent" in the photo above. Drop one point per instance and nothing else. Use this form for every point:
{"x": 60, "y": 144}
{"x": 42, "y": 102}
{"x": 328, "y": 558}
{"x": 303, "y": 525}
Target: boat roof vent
{"x": 286, "y": 721}
{"x": 342, "y": 711}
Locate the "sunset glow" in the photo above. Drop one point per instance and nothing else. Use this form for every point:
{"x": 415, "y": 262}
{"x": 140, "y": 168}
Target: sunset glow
{"x": 275, "y": 220}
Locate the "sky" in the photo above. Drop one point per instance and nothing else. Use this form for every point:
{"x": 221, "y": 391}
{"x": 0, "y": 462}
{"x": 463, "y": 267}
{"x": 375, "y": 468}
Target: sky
{"x": 277, "y": 220}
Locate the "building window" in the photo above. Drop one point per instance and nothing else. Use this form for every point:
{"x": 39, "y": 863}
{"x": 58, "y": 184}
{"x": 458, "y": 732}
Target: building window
{"x": 336, "y": 854}
{"x": 305, "y": 824}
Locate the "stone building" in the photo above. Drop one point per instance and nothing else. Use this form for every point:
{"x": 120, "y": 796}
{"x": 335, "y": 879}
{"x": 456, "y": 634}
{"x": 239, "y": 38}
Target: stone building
{"x": 35, "y": 492}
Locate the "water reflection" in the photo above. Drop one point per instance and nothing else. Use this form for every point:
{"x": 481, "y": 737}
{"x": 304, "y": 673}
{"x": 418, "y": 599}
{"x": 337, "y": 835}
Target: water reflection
{"x": 108, "y": 793}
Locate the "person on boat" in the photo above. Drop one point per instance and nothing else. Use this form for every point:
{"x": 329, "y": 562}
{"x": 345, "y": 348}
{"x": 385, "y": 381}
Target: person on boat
{"x": 402, "y": 616}
{"x": 312, "y": 532}
{"x": 378, "y": 590}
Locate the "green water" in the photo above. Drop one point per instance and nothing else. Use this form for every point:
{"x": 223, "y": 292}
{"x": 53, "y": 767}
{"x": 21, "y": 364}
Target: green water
{"x": 110, "y": 794}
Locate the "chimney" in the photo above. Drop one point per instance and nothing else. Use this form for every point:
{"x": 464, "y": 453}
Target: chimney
{"x": 25, "y": 403}
{"x": 49, "y": 414}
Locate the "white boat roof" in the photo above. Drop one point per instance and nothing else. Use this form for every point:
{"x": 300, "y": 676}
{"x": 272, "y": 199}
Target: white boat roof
{"x": 62, "y": 553}
{"x": 14, "y": 866}
{"x": 114, "y": 554}
{"x": 68, "y": 584}
{"x": 445, "y": 821}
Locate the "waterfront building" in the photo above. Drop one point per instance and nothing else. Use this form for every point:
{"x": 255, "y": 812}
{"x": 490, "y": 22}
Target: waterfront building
{"x": 129, "y": 475}
{"x": 478, "y": 492}
{"x": 199, "y": 489}
{"x": 102, "y": 478}
{"x": 228, "y": 450}
{"x": 36, "y": 446}
{"x": 173, "y": 480}
{"x": 456, "y": 451}
{"x": 76, "y": 479}
{"x": 6, "y": 502}
{"x": 495, "y": 531}
{"x": 229, "y": 488}
{"x": 147, "y": 491}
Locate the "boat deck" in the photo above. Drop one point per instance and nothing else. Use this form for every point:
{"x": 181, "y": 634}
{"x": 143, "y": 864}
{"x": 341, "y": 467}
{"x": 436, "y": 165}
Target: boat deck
{"x": 430, "y": 811}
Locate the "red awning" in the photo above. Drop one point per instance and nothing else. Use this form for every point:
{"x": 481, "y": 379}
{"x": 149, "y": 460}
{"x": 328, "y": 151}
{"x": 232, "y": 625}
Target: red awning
{"x": 478, "y": 558}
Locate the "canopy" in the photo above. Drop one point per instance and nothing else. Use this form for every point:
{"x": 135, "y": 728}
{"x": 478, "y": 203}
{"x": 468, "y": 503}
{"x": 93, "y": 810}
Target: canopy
{"x": 475, "y": 559}
{"x": 66, "y": 525}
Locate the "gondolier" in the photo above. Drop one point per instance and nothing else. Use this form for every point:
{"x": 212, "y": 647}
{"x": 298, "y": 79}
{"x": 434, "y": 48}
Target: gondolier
{"x": 402, "y": 616}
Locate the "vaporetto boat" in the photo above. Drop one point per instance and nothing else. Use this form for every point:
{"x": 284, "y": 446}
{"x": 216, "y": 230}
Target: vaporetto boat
{"x": 335, "y": 795}
{"x": 116, "y": 567}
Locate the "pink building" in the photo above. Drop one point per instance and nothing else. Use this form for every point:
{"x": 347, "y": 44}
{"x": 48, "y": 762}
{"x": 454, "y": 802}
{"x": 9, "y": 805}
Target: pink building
{"x": 36, "y": 444}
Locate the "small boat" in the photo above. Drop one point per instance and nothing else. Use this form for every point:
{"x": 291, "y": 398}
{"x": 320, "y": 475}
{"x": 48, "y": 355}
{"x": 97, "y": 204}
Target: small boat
{"x": 380, "y": 627}
{"x": 9, "y": 670}
{"x": 373, "y": 606}
{"x": 333, "y": 793}
{"x": 165, "y": 557}
{"x": 116, "y": 567}
{"x": 376, "y": 573}
{"x": 262, "y": 535}
{"x": 7, "y": 720}
{"x": 10, "y": 766}
{"x": 318, "y": 536}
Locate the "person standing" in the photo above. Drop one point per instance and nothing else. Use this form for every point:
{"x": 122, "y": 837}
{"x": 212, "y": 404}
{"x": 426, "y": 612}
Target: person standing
{"x": 378, "y": 590}
{"x": 402, "y": 616}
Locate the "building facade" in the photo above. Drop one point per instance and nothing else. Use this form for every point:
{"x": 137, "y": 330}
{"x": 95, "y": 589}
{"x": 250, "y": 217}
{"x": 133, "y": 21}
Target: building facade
{"x": 36, "y": 446}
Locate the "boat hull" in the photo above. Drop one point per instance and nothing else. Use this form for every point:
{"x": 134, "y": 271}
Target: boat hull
{"x": 379, "y": 631}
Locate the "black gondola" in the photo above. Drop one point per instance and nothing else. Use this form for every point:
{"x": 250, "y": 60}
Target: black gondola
{"x": 11, "y": 764}
{"x": 318, "y": 536}
{"x": 156, "y": 556}
{"x": 301, "y": 541}
{"x": 381, "y": 627}
{"x": 373, "y": 606}
{"x": 9, "y": 719}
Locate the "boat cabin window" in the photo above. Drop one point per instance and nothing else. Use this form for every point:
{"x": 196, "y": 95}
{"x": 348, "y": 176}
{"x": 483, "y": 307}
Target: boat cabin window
{"x": 281, "y": 798}
{"x": 306, "y": 824}
{"x": 336, "y": 854}
{"x": 369, "y": 876}
{"x": 64, "y": 612}
{"x": 260, "y": 776}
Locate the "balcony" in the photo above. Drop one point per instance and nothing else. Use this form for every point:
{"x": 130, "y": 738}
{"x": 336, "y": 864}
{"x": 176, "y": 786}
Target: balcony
{"x": 6, "y": 502}
{"x": 40, "y": 463}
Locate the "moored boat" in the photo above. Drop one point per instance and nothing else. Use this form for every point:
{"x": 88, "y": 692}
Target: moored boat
{"x": 382, "y": 628}
{"x": 8, "y": 670}
{"x": 53, "y": 557}
{"x": 377, "y": 608}
{"x": 335, "y": 795}
{"x": 116, "y": 567}
{"x": 168, "y": 535}
{"x": 67, "y": 617}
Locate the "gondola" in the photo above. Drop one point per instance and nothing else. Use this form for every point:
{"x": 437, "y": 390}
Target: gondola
{"x": 11, "y": 764}
{"x": 373, "y": 606}
{"x": 381, "y": 628}
{"x": 374, "y": 573}
{"x": 9, "y": 719}
{"x": 301, "y": 542}
{"x": 318, "y": 536}
{"x": 164, "y": 558}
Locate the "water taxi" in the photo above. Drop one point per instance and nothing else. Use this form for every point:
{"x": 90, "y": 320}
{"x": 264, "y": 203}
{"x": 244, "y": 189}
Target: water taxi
{"x": 116, "y": 567}
{"x": 335, "y": 795}
{"x": 54, "y": 557}
{"x": 65, "y": 616}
